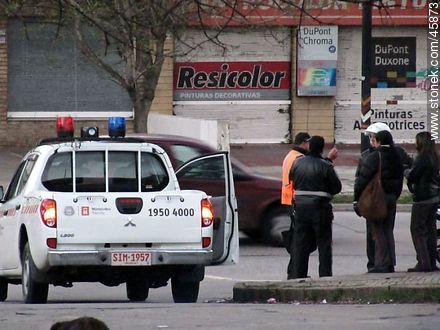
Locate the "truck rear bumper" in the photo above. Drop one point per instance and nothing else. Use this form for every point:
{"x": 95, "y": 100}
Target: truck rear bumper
{"x": 104, "y": 257}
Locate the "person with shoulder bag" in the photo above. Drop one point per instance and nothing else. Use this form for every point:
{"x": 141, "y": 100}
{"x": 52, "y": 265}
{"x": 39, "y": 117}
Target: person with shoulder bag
{"x": 391, "y": 176}
{"x": 406, "y": 161}
{"x": 424, "y": 183}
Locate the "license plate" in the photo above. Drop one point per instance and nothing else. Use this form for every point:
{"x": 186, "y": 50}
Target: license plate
{"x": 131, "y": 259}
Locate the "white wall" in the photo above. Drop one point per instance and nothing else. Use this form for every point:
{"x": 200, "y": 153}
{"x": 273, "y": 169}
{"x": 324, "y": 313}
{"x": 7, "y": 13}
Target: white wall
{"x": 212, "y": 132}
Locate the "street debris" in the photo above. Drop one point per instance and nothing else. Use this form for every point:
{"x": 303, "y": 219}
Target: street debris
{"x": 271, "y": 301}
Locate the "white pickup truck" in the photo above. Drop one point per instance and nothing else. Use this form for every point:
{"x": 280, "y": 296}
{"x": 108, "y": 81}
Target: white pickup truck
{"x": 110, "y": 210}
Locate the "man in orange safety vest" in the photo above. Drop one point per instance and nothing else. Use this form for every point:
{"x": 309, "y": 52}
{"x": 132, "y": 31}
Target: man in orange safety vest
{"x": 299, "y": 149}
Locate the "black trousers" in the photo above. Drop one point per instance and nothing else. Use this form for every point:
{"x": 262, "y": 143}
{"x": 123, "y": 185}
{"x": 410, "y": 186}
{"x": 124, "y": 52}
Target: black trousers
{"x": 383, "y": 236}
{"x": 370, "y": 246}
{"x": 291, "y": 247}
{"x": 424, "y": 233}
{"x": 313, "y": 223}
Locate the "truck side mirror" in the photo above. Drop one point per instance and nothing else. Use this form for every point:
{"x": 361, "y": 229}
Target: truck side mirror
{"x": 1, "y": 193}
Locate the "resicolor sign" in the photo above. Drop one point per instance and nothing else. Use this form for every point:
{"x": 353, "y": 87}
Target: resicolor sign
{"x": 239, "y": 81}
{"x": 317, "y": 59}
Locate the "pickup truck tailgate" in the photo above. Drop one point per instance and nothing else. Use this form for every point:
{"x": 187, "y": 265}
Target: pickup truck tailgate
{"x": 164, "y": 217}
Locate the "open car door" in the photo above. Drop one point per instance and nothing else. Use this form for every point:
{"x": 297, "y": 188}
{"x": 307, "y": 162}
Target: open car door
{"x": 213, "y": 174}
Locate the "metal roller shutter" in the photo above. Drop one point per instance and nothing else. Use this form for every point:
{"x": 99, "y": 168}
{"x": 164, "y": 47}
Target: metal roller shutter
{"x": 246, "y": 83}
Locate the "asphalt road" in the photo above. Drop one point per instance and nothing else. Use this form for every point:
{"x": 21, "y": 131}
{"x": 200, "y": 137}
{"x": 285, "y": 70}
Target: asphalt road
{"x": 214, "y": 309}
{"x": 257, "y": 263}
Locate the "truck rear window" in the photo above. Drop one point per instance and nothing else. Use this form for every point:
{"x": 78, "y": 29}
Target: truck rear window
{"x": 91, "y": 172}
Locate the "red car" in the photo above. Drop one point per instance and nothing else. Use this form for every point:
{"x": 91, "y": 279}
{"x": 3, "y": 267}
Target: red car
{"x": 259, "y": 210}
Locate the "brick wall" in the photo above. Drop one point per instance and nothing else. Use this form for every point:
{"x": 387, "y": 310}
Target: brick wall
{"x": 163, "y": 100}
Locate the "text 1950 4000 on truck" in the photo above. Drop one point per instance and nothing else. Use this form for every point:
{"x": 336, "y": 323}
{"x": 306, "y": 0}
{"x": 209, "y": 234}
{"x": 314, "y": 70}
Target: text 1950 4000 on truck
{"x": 109, "y": 210}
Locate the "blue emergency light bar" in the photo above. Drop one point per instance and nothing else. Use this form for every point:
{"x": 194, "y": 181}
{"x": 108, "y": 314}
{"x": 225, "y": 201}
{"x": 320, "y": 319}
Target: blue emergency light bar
{"x": 116, "y": 127}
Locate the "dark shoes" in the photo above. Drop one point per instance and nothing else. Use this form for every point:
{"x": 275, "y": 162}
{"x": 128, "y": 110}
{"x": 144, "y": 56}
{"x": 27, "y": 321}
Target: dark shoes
{"x": 419, "y": 268}
{"x": 389, "y": 269}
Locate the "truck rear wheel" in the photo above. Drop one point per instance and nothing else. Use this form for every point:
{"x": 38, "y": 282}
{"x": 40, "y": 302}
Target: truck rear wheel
{"x": 3, "y": 289}
{"x": 33, "y": 291}
{"x": 184, "y": 292}
{"x": 137, "y": 289}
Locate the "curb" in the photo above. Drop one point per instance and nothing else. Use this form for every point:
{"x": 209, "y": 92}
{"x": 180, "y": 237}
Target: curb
{"x": 349, "y": 207}
{"x": 365, "y": 288}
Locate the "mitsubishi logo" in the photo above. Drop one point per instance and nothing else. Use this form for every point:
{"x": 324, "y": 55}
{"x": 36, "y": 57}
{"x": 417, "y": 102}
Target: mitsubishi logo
{"x": 130, "y": 223}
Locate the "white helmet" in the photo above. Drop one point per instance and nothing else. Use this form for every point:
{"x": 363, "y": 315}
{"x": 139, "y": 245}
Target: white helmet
{"x": 376, "y": 128}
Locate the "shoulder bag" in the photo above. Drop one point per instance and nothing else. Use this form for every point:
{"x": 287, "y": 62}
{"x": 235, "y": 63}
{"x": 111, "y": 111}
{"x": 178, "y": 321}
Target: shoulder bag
{"x": 372, "y": 203}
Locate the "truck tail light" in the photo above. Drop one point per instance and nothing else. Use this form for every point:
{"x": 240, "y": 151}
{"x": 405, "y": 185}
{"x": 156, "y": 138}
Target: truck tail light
{"x": 207, "y": 213}
{"x": 51, "y": 243}
{"x": 206, "y": 242}
{"x": 48, "y": 212}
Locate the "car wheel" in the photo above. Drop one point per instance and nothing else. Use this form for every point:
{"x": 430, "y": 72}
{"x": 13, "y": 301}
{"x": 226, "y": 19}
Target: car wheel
{"x": 276, "y": 221}
{"x": 138, "y": 289}
{"x": 33, "y": 291}
{"x": 184, "y": 292}
{"x": 3, "y": 289}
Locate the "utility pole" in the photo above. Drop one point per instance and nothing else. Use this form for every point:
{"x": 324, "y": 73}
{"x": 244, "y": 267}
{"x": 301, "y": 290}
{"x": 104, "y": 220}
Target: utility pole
{"x": 366, "y": 71}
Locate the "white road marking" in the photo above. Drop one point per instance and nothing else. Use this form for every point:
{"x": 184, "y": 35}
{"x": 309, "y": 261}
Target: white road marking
{"x": 236, "y": 280}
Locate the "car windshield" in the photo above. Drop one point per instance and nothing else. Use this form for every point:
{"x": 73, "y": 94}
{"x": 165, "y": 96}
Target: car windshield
{"x": 182, "y": 153}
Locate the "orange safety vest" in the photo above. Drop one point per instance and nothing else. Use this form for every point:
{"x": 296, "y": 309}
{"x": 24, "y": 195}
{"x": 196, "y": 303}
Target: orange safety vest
{"x": 287, "y": 189}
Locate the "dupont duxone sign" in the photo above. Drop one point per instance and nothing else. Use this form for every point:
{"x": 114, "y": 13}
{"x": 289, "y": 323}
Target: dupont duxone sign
{"x": 231, "y": 80}
{"x": 317, "y": 59}
{"x": 394, "y": 62}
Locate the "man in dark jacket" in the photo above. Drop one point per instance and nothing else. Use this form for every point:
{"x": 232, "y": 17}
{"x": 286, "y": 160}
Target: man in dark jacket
{"x": 406, "y": 162}
{"x": 315, "y": 184}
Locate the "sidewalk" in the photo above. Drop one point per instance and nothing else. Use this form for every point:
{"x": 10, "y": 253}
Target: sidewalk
{"x": 398, "y": 287}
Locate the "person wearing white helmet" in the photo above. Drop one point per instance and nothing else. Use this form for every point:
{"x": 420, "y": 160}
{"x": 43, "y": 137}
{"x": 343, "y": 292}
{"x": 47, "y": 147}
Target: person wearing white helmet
{"x": 406, "y": 161}
{"x": 376, "y": 128}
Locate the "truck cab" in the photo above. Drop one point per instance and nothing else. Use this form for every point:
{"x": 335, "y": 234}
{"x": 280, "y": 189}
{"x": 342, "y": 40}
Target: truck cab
{"x": 110, "y": 210}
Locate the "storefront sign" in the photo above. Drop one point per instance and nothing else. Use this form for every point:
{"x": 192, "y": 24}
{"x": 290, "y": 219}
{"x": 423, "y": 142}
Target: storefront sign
{"x": 238, "y": 81}
{"x": 393, "y": 62}
{"x": 387, "y": 12}
{"x": 317, "y": 59}
{"x": 405, "y": 120}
